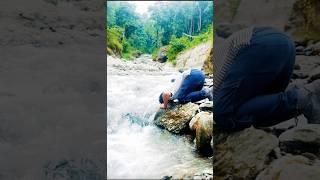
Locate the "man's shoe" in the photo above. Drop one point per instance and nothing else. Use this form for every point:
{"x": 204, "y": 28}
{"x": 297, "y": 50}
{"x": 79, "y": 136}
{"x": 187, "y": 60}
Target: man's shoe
{"x": 309, "y": 101}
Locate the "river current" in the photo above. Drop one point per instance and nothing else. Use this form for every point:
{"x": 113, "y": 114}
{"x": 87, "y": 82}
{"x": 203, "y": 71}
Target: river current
{"x": 136, "y": 148}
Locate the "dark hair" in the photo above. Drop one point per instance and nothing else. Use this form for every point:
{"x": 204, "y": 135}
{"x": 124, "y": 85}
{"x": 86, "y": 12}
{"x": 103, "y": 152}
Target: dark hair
{"x": 160, "y": 98}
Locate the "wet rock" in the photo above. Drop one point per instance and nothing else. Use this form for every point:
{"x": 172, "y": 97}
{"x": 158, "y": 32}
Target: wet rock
{"x": 206, "y": 106}
{"x": 293, "y": 168}
{"x": 176, "y": 118}
{"x": 315, "y": 74}
{"x": 242, "y": 155}
{"x": 301, "y": 139}
{"x": 203, "y": 125}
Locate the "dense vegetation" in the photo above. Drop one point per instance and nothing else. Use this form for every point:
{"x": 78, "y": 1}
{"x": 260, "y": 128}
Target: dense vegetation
{"x": 178, "y": 25}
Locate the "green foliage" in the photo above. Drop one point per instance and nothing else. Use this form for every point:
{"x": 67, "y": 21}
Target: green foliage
{"x": 130, "y": 34}
{"x": 114, "y": 39}
{"x": 177, "y": 45}
{"x": 155, "y": 53}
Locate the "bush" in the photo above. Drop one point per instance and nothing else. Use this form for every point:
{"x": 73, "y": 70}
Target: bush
{"x": 176, "y": 46}
{"x": 155, "y": 53}
{"x": 114, "y": 39}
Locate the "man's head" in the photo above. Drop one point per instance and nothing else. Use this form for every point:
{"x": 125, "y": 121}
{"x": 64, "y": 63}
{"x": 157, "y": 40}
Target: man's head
{"x": 164, "y": 99}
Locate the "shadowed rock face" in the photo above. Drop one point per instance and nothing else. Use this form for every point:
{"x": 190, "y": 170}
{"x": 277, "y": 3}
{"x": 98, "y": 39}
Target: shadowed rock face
{"x": 52, "y": 86}
{"x": 301, "y": 139}
{"x": 291, "y": 167}
{"x": 242, "y": 155}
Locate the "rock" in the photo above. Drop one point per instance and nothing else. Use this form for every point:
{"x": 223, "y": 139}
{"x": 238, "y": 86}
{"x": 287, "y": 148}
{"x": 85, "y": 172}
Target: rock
{"x": 299, "y": 75}
{"x": 308, "y": 53}
{"x": 195, "y": 57}
{"x": 315, "y": 74}
{"x": 242, "y": 155}
{"x": 293, "y": 168}
{"x": 166, "y": 178}
{"x": 162, "y": 56}
{"x": 297, "y": 67}
{"x": 203, "y": 124}
{"x": 304, "y": 138}
{"x": 314, "y": 49}
{"x": 176, "y": 118}
{"x": 299, "y": 49}
{"x": 206, "y": 106}
{"x": 286, "y": 125}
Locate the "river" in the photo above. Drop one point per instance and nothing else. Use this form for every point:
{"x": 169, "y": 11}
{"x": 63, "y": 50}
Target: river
{"x": 136, "y": 148}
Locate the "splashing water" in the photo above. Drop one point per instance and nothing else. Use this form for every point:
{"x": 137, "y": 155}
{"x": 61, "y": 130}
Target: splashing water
{"x": 136, "y": 148}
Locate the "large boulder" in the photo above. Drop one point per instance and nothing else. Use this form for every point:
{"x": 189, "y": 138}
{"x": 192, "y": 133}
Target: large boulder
{"x": 292, "y": 167}
{"x": 301, "y": 139}
{"x": 195, "y": 57}
{"x": 242, "y": 155}
{"x": 162, "y": 55}
{"x": 202, "y": 124}
{"x": 176, "y": 118}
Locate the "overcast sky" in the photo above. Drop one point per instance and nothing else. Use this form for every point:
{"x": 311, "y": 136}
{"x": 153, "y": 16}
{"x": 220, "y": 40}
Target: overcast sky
{"x": 142, "y": 6}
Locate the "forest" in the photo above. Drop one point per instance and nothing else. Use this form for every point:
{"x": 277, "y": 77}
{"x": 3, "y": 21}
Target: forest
{"x": 179, "y": 25}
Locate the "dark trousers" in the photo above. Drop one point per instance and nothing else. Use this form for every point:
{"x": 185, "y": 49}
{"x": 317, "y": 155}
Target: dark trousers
{"x": 253, "y": 90}
{"x": 191, "y": 88}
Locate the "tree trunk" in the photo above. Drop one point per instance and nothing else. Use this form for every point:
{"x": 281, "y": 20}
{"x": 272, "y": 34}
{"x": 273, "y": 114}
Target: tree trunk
{"x": 190, "y": 27}
{"x": 157, "y": 39}
{"x": 199, "y": 25}
{"x": 123, "y": 33}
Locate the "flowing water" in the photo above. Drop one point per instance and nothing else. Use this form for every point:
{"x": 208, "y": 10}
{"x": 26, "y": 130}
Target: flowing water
{"x": 136, "y": 148}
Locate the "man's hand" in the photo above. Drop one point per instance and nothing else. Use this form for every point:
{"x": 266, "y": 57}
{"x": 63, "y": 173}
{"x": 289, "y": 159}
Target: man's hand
{"x": 162, "y": 106}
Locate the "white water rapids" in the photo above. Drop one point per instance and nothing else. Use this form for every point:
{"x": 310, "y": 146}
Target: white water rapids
{"x": 136, "y": 148}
